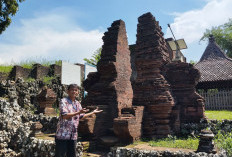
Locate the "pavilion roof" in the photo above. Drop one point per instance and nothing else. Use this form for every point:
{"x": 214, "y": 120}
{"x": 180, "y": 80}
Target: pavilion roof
{"x": 214, "y": 64}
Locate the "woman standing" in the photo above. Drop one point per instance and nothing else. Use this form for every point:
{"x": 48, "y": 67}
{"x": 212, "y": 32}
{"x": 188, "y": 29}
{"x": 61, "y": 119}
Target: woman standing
{"x": 70, "y": 113}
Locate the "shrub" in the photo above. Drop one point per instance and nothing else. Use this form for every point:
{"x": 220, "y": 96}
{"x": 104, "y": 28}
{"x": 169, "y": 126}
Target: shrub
{"x": 224, "y": 141}
{"x": 48, "y": 79}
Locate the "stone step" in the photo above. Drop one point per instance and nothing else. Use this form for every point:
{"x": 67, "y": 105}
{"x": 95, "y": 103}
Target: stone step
{"x": 105, "y": 142}
{"x": 95, "y": 154}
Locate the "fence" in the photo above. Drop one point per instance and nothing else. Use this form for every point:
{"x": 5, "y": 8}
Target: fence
{"x": 217, "y": 100}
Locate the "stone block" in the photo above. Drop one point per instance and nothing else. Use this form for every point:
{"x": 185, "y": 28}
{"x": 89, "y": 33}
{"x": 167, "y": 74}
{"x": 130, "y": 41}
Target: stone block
{"x": 39, "y": 71}
{"x": 3, "y": 76}
{"x": 55, "y": 70}
{"x": 19, "y": 71}
{"x": 36, "y": 128}
{"x": 46, "y": 99}
{"x": 128, "y": 127}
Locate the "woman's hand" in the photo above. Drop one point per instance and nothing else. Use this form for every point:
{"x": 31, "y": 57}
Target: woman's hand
{"x": 93, "y": 112}
{"x": 84, "y": 110}
{"x": 97, "y": 111}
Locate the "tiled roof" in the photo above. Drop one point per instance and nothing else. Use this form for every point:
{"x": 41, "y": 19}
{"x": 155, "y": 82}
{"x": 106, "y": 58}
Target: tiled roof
{"x": 214, "y": 65}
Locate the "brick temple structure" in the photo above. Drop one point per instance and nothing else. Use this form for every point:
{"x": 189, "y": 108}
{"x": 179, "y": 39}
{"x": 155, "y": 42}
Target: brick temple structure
{"x": 183, "y": 78}
{"x": 151, "y": 89}
{"x": 163, "y": 94}
{"x": 110, "y": 89}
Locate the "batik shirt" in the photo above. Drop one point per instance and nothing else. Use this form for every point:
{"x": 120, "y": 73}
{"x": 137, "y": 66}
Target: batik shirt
{"x": 67, "y": 128}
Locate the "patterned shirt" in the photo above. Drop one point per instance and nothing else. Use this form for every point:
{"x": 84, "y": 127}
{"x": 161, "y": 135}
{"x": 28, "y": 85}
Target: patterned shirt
{"x": 67, "y": 128}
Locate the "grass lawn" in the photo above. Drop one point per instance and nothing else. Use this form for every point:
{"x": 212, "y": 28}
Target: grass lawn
{"x": 219, "y": 115}
{"x": 190, "y": 143}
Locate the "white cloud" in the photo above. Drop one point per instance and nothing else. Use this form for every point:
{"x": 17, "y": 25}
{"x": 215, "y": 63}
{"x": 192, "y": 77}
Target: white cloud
{"x": 192, "y": 24}
{"x": 53, "y": 37}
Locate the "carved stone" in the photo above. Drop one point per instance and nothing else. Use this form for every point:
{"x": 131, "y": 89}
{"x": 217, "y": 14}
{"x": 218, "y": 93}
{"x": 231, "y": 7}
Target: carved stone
{"x": 206, "y": 143}
{"x": 36, "y": 128}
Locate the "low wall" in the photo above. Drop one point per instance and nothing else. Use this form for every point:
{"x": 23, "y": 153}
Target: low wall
{"x": 38, "y": 71}
{"x": 214, "y": 125}
{"x": 45, "y": 148}
{"x": 131, "y": 152}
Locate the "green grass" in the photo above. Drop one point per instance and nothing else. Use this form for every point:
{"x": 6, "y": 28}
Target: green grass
{"x": 190, "y": 143}
{"x": 29, "y": 64}
{"x": 6, "y": 68}
{"x": 29, "y": 79}
{"x": 170, "y": 142}
{"x": 219, "y": 115}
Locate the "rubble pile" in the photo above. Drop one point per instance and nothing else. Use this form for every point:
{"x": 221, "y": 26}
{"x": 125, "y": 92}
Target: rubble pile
{"x": 15, "y": 132}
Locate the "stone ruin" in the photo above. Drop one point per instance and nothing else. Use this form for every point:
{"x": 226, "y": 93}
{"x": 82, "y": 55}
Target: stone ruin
{"x": 163, "y": 94}
{"x": 112, "y": 90}
{"x": 46, "y": 98}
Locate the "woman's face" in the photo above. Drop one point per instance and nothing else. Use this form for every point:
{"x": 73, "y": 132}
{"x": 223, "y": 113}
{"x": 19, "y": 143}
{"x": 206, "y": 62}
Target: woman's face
{"x": 73, "y": 92}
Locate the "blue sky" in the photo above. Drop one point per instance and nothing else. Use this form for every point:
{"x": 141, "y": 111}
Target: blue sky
{"x": 72, "y": 29}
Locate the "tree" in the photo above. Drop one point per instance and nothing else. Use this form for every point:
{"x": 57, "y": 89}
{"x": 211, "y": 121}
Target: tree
{"x": 8, "y": 9}
{"x": 193, "y": 62}
{"x": 95, "y": 57}
{"x": 222, "y": 35}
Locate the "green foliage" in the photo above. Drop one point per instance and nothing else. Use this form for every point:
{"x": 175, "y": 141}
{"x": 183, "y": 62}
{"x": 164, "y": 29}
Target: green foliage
{"x": 30, "y": 79}
{"x": 6, "y": 68}
{"x": 95, "y": 57}
{"x": 224, "y": 141}
{"x": 8, "y": 9}
{"x": 223, "y": 36}
{"x": 48, "y": 79}
{"x": 219, "y": 115}
{"x": 59, "y": 62}
{"x": 193, "y": 62}
{"x": 56, "y": 109}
